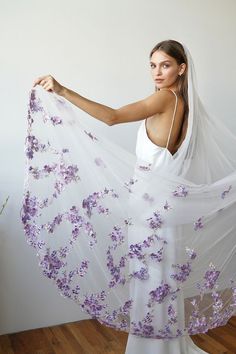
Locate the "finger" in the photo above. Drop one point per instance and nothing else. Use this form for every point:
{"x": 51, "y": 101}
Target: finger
{"x": 39, "y": 79}
{"x": 48, "y": 86}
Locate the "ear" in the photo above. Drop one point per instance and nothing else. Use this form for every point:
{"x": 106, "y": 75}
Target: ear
{"x": 182, "y": 68}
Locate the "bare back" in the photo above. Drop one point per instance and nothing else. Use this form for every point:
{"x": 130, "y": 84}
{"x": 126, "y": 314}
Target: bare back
{"x": 168, "y": 124}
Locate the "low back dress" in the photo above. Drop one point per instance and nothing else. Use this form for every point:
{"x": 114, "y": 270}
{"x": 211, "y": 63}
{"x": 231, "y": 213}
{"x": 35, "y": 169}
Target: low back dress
{"x": 139, "y": 290}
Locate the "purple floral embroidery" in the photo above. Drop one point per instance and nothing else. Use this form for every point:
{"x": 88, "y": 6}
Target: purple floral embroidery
{"x": 156, "y": 221}
{"x": 157, "y": 256}
{"x": 167, "y": 206}
{"x": 93, "y": 137}
{"x": 223, "y": 194}
{"x": 51, "y": 264}
{"x": 56, "y": 120}
{"x": 148, "y": 198}
{"x": 99, "y": 162}
{"x": 30, "y": 207}
{"x": 181, "y": 191}
{"x": 191, "y": 253}
{"x": 159, "y": 294}
{"x": 79, "y": 222}
{"x": 211, "y": 277}
{"x": 185, "y": 270}
{"x": 33, "y": 145}
{"x": 172, "y": 314}
{"x": 144, "y": 327}
{"x": 130, "y": 183}
{"x": 91, "y": 201}
{"x": 145, "y": 168}
{"x": 198, "y": 224}
{"x": 35, "y": 104}
{"x": 141, "y": 274}
{"x": 94, "y": 304}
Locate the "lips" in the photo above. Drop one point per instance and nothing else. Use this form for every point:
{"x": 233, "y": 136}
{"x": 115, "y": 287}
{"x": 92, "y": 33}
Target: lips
{"x": 159, "y": 80}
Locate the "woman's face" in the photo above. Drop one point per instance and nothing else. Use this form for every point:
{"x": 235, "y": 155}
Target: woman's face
{"x": 164, "y": 68}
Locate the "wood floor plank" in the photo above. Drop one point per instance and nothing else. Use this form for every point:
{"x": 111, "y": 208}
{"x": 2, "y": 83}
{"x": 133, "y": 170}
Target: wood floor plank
{"x": 90, "y": 337}
{"x": 5, "y": 345}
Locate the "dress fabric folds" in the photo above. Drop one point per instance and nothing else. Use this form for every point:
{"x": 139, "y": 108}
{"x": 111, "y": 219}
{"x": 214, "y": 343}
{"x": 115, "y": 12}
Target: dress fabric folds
{"x": 143, "y": 242}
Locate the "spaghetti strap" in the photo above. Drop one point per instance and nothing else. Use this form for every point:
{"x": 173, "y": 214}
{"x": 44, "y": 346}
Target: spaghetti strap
{"x": 172, "y": 118}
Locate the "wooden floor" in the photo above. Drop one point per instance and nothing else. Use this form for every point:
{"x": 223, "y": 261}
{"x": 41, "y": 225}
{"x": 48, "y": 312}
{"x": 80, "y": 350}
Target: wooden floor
{"x": 89, "y": 337}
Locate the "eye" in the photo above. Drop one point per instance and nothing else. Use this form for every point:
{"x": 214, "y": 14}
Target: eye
{"x": 152, "y": 65}
{"x": 166, "y": 65}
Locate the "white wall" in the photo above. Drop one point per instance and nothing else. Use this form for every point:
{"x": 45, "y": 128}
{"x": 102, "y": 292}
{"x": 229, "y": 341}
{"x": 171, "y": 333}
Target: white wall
{"x": 99, "y": 49}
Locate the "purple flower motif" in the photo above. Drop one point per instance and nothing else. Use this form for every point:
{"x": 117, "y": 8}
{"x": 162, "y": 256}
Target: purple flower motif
{"x": 211, "y": 277}
{"x": 56, "y": 120}
{"x": 190, "y": 253}
{"x": 91, "y": 201}
{"x": 83, "y": 268}
{"x": 185, "y": 270}
{"x": 143, "y": 327}
{"x": 167, "y": 206}
{"x": 32, "y": 233}
{"x": 155, "y": 222}
{"x": 157, "y": 256}
{"x": 32, "y": 145}
{"x": 117, "y": 236}
{"x": 224, "y": 193}
{"x": 145, "y": 168}
{"x": 35, "y": 104}
{"x": 68, "y": 173}
{"x": 172, "y": 314}
{"x": 148, "y": 198}
{"x": 94, "y": 304}
{"x": 29, "y": 208}
{"x": 142, "y": 274}
{"x": 51, "y": 264}
{"x": 135, "y": 251}
{"x": 198, "y": 224}
{"x": 93, "y": 137}
{"x": 180, "y": 191}
{"x": 130, "y": 183}
{"x": 99, "y": 162}
{"x": 49, "y": 227}
{"x": 159, "y": 294}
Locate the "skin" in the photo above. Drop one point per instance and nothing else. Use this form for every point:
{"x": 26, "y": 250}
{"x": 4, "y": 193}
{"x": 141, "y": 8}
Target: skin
{"x": 158, "y": 107}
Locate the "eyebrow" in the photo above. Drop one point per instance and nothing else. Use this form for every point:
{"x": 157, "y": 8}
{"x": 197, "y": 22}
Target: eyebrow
{"x": 151, "y": 62}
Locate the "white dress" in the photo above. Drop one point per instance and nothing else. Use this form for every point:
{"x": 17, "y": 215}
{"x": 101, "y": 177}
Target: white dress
{"x": 147, "y": 150}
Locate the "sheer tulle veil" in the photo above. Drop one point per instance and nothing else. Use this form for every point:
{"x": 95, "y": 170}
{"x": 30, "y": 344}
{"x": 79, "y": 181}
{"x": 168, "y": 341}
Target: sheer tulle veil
{"x": 104, "y": 223}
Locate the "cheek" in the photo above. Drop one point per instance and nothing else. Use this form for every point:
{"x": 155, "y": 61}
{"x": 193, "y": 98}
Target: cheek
{"x": 171, "y": 74}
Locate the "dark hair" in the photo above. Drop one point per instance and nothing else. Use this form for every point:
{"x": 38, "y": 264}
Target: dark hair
{"x": 176, "y": 51}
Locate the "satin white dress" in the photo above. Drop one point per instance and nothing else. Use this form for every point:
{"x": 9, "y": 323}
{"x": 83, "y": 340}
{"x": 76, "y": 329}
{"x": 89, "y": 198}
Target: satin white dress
{"x": 147, "y": 150}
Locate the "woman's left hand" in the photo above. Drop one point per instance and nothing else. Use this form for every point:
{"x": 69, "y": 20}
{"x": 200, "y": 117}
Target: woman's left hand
{"x": 50, "y": 84}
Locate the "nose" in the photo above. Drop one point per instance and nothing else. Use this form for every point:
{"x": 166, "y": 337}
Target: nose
{"x": 158, "y": 72}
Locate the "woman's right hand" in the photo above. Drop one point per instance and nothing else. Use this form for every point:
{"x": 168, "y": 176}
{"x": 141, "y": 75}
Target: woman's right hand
{"x": 49, "y": 84}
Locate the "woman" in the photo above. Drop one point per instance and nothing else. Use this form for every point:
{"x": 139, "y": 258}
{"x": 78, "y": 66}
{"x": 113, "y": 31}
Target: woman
{"x": 161, "y": 266}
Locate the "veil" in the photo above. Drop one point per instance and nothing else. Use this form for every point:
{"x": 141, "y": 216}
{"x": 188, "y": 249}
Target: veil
{"x": 145, "y": 249}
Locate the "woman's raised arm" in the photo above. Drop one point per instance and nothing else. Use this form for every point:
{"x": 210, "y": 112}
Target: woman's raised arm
{"x": 155, "y": 103}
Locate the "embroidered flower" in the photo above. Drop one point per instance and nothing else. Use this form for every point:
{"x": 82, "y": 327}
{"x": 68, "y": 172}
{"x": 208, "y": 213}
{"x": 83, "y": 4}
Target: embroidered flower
{"x": 156, "y": 221}
{"x": 159, "y": 294}
{"x": 56, "y": 120}
{"x": 93, "y": 137}
{"x": 224, "y": 193}
{"x": 167, "y": 206}
{"x": 198, "y": 224}
{"x": 145, "y": 168}
{"x": 148, "y": 198}
{"x": 181, "y": 191}
{"x": 185, "y": 270}
{"x": 99, "y": 162}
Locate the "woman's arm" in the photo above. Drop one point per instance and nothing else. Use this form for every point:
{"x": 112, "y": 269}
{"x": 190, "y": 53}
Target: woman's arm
{"x": 156, "y": 103}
